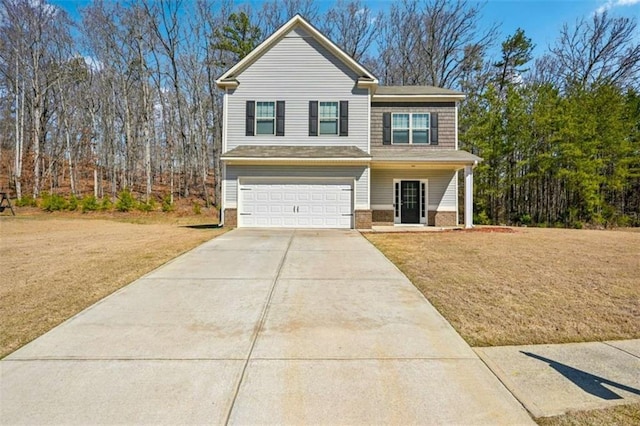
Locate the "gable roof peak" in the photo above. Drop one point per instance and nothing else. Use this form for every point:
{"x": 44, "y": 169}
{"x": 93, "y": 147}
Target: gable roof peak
{"x": 228, "y": 79}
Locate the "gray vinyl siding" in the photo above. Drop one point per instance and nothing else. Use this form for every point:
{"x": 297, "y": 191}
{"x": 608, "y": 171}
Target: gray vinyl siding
{"x": 441, "y": 187}
{"x": 298, "y": 69}
{"x": 359, "y": 173}
{"x": 446, "y": 122}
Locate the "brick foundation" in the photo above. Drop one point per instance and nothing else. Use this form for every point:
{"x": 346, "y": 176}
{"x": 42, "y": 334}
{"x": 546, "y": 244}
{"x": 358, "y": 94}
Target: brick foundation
{"x": 442, "y": 218}
{"x": 385, "y": 217}
{"x": 230, "y": 218}
{"x": 382, "y": 216}
{"x": 363, "y": 219}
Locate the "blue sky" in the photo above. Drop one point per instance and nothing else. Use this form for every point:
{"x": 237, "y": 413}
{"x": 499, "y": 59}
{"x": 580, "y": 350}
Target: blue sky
{"x": 540, "y": 19}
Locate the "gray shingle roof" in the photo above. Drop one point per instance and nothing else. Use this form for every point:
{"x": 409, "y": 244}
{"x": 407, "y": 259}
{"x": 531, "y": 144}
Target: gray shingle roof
{"x": 414, "y": 90}
{"x": 422, "y": 154}
{"x": 400, "y": 154}
{"x": 293, "y": 152}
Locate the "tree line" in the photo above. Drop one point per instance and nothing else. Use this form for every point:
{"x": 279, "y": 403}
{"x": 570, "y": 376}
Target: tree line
{"x": 124, "y": 97}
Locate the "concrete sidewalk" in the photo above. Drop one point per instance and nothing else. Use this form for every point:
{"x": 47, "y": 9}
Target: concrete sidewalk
{"x": 258, "y": 327}
{"x": 553, "y": 379}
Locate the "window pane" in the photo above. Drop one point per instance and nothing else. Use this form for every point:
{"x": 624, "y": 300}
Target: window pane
{"x": 420, "y": 136}
{"x": 420, "y": 121}
{"x": 328, "y": 110}
{"x": 400, "y": 121}
{"x": 265, "y": 109}
{"x": 329, "y": 127}
{"x": 400, "y": 136}
{"x": 264, "y": 127}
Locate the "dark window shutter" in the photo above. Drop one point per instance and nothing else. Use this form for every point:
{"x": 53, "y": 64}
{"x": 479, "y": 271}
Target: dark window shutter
{"x": 434, "y": 128}
{"x": 313, "y": 118}
{"x": 386, "y": 128}
{"x": 280, "y": 118}
{"x": 344, "y": 118}
{"x": 250, "y": 118}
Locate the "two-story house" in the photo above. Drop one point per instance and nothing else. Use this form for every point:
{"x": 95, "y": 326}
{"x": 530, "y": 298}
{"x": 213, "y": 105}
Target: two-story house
{"x": 311, "y": 140}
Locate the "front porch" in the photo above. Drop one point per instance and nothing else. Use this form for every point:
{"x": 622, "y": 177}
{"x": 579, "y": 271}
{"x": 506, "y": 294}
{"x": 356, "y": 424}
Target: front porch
{"x": 419, "y": 187}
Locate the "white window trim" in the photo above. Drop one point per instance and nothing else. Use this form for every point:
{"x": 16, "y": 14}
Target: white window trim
{"x": 410, "y": 129}
{"x": 275, "y": 114}
{"x": 397, "y": 220}
{"x": 337, "y": 119}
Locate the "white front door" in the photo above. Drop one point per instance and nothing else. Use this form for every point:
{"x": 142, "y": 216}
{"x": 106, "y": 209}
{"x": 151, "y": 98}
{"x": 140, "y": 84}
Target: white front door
{"x": 281, "y": 204}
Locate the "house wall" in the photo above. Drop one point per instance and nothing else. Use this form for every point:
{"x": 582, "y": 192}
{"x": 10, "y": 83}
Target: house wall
{"x": 298, "y": 69}
{"x": 446, "y": 122}
{"x": 441, "y": 188}
{"x": 359, "y": 173}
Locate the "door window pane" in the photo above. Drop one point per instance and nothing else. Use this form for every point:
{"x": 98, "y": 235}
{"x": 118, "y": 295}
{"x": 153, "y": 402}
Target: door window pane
{"x": 410, "y": 196}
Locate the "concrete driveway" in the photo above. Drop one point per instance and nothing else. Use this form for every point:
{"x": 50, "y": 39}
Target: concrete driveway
{"x": 258, "y": 327}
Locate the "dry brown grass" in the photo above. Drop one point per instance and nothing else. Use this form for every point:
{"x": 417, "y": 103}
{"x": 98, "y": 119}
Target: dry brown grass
{"x": 528, "y": 287}
{"x": 54, "y": 266}
{"x": 622, "y": 415}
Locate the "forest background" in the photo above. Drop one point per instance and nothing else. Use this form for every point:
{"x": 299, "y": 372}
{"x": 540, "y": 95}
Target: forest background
{"x": 117, "y": 105}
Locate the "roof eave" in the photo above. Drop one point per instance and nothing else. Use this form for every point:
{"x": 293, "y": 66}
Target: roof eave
{"x": 296, "y": 160}
{"x": 458, "y": 164}
{"x": 227, "y": 83}
{"x": 418, "y": 98}
{"x": 367, "y": 83}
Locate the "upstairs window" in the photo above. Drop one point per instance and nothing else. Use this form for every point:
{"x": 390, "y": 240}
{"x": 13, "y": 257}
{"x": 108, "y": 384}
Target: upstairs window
{"x": 419, "y": 128}
{"x": 401, "y": 128}
{"x": 410, "y": 128}
{"x": 329, "y": 118}
{"x": 265, "y": 118}
{"x": 328, "y": 115}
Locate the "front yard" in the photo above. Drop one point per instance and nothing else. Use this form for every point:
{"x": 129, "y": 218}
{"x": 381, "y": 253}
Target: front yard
{"x": 530, "y": 286}
{"x": 54, "y": 266}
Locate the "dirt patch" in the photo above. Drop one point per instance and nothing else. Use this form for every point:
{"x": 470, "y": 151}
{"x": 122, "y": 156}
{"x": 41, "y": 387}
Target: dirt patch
{"x": 529, "y": 287}
{"x": 491, "y": 229}
{"x": 55, "y": 266}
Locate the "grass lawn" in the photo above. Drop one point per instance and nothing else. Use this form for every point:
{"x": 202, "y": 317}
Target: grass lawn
{"x": 55, "y": 265}
{"x": 530, "y": 286}
{"x": 622, "y": 415}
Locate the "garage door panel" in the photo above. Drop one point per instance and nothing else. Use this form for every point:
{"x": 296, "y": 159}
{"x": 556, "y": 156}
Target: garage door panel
{"x": 296, "y": 205}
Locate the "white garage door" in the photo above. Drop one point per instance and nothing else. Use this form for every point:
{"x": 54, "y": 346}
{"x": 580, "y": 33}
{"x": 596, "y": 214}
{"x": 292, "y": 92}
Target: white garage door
{"x": 295, "y": 205}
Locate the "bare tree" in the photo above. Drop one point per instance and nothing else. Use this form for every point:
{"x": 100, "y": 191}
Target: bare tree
{"x": 275, "y": 13}
{"x": 38, "y": 30}
{"x": 427, "y": 42}
{"x": 398, "y": 43}
{"x": 446, "y": 31}
{"x": 602, "y": 50}
{"x": 352, "y": 26}
{"x": 215, "y": 62}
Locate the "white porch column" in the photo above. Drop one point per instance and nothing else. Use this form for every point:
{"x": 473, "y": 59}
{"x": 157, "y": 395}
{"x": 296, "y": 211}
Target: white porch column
{"x": 468, "y": 196}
